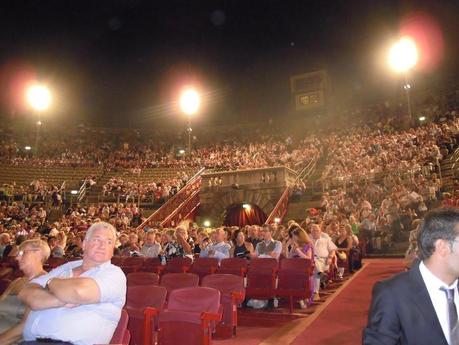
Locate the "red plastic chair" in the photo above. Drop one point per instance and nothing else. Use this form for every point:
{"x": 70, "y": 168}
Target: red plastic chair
{"x": 190, "y": 316}
{"x": 294, "y": 280}
{"x": 172, "y": 281}
{"x": 261, "y": 278}
{"x": 177, "y": 265}
{"x": 204, "y": 266}
{"x": 232, "y": 292}
{"x": 142, "y": 278}
{"x": 143, "y": 303}
{"x": 122, "y": 335}
{"x": 235, "y": 266}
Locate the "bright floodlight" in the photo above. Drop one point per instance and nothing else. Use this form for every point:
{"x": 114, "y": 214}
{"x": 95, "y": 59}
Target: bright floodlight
{"x": 403, "y": 55}
{"x": 246, "y": 207}
{"x": 39, "y": 97}
{"x": 190, "y": 101}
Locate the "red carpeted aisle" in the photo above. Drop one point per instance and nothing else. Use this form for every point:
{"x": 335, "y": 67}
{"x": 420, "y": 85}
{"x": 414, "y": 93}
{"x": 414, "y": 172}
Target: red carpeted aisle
{"x": 342, "y": 321}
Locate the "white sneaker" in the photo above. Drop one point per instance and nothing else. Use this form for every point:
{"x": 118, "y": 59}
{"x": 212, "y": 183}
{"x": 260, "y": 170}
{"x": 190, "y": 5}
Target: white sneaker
{"x": 302, "y": 304}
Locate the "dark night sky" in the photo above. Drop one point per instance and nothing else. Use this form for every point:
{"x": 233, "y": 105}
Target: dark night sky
{"x": 108, "y": 60}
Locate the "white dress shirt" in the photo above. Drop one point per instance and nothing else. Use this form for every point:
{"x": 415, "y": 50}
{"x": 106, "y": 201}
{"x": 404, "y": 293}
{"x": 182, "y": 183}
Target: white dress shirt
{"x": 438, "y": 297}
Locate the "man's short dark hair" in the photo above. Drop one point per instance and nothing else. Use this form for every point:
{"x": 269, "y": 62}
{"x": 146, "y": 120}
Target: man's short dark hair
{"x": 438, "y": 224}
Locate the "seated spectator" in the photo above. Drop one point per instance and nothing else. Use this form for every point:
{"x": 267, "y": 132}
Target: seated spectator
{"x": 324, "y": 252}
{"x": 242, "y": 248}
{"x": 171, "y": 248}
{"x": 75, "y": 249}
{"x": 89, "y": 293}
{"x": 31, "y": 256}
{"x": 150, "y": 248}
{"x": 5, "y": 240}
{"x": 268, "y": 248}
{"x": 219, "y": 249}
{"x": 344, "y": 242}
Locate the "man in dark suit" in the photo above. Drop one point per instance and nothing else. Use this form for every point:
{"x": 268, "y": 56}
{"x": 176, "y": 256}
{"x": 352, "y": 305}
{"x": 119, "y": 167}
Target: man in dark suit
{"x": 419, "y": 307}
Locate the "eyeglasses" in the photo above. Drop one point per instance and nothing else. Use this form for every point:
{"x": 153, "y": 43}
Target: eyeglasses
{"x": 22, "y": 252}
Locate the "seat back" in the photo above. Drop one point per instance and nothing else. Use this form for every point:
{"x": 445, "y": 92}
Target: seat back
{"x": 134, "y": 261}
{"x": 235, "y": 266}
{"x": 120, "y": 332}
{"x": 142, "y": 296}
{"x": 195, "y": 299}
{"x": 142, "y": 278}
{"x": 225, "y": 283}
{"x": 204, "y": 266}
{"x": 178, "y": 265}
{"x": 151, "y": 265}
{"x": 295, "y": 264}
{"x": 172, "y": 281}
{"x": 117, "y": 260}
{"x": 269, "y": 264}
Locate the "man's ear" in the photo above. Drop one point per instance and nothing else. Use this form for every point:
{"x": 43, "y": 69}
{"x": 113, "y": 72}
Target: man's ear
{"x": 443, "y": 247}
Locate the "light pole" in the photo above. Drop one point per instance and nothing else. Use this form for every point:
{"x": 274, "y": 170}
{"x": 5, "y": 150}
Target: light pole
{"x": 39, "y": 98}
{"x": 189, "y": 104}
{"x": 402, "y": 57}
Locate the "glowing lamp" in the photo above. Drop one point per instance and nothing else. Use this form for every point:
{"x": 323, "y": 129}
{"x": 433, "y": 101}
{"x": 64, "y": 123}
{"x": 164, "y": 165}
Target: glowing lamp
{"x": 277, "y": 220}
{"x": 74, "y": 192}
{"x": 38, "y": 97}
{"x": 246, "y": 207}
{"x": 422, "y": 118}
{"x": 206, "y": 223}
{"x": 403, "y": 55}
{"x": 190, "y": 101}
{"x": 27, "y": 148}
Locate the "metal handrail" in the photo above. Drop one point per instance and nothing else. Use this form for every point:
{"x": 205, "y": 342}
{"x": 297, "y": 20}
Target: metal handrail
{"x": 192, "y": 180}
{"x": 275, "y": 212}
{"x": 171, "y": 216}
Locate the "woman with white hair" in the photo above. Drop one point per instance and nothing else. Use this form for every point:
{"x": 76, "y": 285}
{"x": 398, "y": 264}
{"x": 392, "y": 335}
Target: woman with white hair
{"x": 31, "y": 256}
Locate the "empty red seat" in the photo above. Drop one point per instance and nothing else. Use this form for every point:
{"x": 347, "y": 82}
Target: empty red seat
{"x": 232, "y": 292}
{"x": 235, "y": 266}
{"x": 151, "y": 265}
{"x": 143, "y": 303}
{"x": 117, "y": 260}
{"x": 122, "y": 335}
{"x": 177, "y": 265}
{"x": 261, "y": 278}
{"x": 142, "y": 278}
{"x": 189, "y": 316}
{"x": 172, "y": 281}
{"x": 294, "y": 279}
{"x": 204, "y": 266}
{"x": 133, "y": 261}
{"x": 129, "y": 268}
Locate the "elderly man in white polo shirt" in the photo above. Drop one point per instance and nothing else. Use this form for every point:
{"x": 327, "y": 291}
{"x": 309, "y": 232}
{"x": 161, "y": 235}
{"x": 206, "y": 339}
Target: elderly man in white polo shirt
{"x": 79, "y": 302}
{"x": 219, "y": 250}
{"x": 324, "y": 251}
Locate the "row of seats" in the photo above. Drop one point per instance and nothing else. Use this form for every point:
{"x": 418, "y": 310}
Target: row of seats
{"x": 157, "y": 312}
{"x": 266, "y": 278}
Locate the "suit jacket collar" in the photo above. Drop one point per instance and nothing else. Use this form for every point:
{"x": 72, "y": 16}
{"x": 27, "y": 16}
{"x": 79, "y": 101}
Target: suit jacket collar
{"x": 423, "y": 301}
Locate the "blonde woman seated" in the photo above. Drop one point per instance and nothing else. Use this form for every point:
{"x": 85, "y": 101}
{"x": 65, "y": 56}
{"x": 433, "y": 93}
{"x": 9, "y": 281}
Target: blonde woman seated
{"x": 31, "y": 256}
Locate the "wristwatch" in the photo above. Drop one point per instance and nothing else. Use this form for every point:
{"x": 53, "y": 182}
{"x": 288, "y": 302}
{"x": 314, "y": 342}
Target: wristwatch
{"x": 48, "y": 282}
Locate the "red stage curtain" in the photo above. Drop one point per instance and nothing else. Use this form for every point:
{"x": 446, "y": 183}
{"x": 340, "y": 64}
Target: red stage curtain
{"x": 239, "y": 216}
